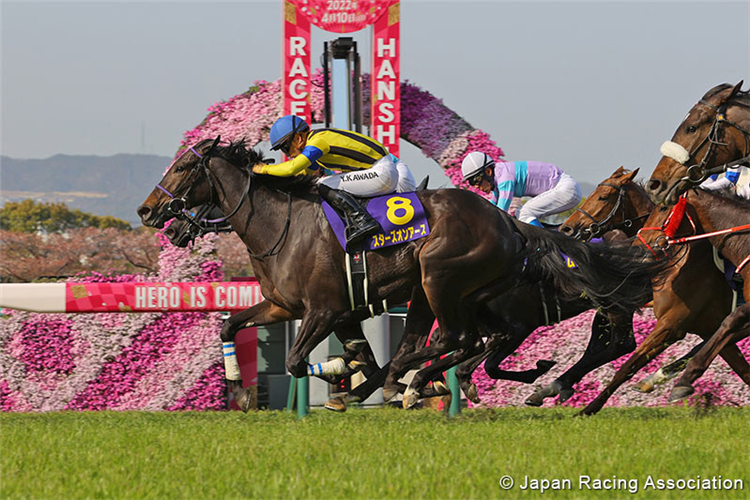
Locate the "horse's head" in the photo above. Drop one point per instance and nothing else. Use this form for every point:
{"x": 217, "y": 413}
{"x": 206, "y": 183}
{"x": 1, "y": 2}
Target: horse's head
{"x": 615, "y": 204}
{"x": 714, "y": 132}
{"x": 196, "y": 224}
{"x": 185, "y": 185}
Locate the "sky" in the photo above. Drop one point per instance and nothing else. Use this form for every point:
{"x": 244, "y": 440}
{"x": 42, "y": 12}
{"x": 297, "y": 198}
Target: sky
{"x": 589, "y": 86}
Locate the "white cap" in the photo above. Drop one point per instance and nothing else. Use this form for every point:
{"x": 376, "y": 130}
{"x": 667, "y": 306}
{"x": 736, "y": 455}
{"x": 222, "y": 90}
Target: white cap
{"x": 474, "y": 163}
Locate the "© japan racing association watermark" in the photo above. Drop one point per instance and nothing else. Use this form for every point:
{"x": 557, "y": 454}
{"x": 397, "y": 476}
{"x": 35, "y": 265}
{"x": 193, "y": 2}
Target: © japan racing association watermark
{"x": 614, "y": 483}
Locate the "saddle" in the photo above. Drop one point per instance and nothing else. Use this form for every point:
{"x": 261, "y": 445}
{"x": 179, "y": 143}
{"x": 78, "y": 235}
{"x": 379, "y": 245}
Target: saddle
{"x": 392, "y": 211}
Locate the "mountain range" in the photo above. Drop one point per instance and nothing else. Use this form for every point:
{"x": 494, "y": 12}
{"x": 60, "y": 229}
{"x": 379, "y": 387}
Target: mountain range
{"x": 102, "y": 185}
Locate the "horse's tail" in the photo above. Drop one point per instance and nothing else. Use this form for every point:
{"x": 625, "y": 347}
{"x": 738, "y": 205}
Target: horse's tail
{"x": 617, "y": 276}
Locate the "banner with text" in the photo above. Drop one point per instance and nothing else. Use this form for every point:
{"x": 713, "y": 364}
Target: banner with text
{"x": 130, "y": 297}
{"x": 385, "y": 93}
{"x": 296, "y": 62}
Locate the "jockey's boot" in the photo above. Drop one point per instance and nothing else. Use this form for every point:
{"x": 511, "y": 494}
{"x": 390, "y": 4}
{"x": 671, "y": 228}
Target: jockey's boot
{"x": 359, "y": 222}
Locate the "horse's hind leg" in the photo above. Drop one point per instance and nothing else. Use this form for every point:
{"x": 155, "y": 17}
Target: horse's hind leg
{"x": 610, "y": 338}
{"x": 419, "y": 320}
{"x": 660, "y": 338}
{"x": 465, "y": 370}
{"x": 417, "y": 385}
{"x": 667, "y": 372}
{"x": 264, "y": 313}
{"x": 734, "y": 328}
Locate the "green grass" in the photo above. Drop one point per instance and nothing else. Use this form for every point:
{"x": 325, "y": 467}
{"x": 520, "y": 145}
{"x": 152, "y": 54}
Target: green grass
{"x": 384, "y": 453}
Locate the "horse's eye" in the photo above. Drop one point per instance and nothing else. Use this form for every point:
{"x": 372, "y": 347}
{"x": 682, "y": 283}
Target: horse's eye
{"x": 603, "y": 198}
{"x": 690, "y": 129}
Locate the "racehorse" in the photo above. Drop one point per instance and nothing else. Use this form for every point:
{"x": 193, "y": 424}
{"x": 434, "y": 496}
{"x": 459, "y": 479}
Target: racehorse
{"x": 512, "y": 317}
{"x": 728, "y": 219}
{"x": 473, "y": 251}
{"x": 715, "y": 132}
{"x": 692, "y": 298}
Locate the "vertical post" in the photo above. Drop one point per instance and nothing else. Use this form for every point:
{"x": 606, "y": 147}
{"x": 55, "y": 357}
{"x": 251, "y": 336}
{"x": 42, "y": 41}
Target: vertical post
{"x": 303, "y": 397}
{"x": 453, "y": 385}
{"x": 292, "y": 394}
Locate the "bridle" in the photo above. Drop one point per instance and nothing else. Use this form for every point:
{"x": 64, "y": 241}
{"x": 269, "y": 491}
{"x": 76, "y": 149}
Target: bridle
{"x": 598, "y": 227}
{"x": 199, "y": 225}
{"x": 699, "y": 172}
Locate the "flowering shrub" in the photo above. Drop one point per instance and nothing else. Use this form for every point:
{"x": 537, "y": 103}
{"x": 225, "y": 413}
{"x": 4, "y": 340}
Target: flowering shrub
{"x": 566, "y": 342}
{"x": 147, "y": 361}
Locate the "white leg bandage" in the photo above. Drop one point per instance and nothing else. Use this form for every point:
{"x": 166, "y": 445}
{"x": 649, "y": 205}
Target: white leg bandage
{"x": 231, "y": 367}
{"x": 335, "y": 366}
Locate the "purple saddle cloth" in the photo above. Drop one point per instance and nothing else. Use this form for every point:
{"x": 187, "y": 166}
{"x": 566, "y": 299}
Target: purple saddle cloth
{"x": 401, "y": 215}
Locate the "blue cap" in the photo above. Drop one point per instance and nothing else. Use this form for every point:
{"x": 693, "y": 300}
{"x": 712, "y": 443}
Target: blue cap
{"x": 284, "y": 128}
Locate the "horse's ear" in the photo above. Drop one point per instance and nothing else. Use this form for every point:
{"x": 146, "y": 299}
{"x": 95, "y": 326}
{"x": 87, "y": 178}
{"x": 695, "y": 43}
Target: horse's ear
{"x": 734, "y": 91}
{"x": 620, "y": 171}
{"x": 631, "y": 175}
{"x": 216, "y": 142}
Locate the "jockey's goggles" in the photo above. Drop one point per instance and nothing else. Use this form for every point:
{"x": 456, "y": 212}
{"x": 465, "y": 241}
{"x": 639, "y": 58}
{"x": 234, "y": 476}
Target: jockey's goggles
{"x": 476, "y": 181}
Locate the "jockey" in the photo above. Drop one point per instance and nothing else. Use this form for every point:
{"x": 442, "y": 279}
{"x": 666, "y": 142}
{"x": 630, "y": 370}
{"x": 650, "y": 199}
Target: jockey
{"x": 553, "y": 190}
{"x": 728, "y": 182}
{"x": 368, "y": 169}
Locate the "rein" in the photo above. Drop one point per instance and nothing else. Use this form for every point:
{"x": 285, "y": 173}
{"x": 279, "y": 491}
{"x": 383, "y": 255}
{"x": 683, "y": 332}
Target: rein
{"x": 177, "y": 205}
{"x": 670, "y": 226}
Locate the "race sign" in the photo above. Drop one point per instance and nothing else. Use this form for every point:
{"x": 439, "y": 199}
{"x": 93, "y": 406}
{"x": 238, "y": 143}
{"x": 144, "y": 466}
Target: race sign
{"x": 130, "y": 297}
{"x": 342, "y": 16}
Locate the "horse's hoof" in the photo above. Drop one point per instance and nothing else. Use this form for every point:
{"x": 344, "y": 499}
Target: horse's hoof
{"x": 355, "y": 345}
{"x": 680, "y": 392}
{"x": 566, "y": 394}
{"x": 355, "y": 365}
{"x": 591, "y": 409}
{"x": 472, "y": 394}
{"x": 644, "y": 386}
{"x": 440, "y": 388}
{"x": 389, "y": 393}
{"x": 410, "y": 398}
{"x": 245, "y": 399}
{"x": 535, "y": 399}
{"x": 545, "y": 364}
{"x": 336, "y": 404}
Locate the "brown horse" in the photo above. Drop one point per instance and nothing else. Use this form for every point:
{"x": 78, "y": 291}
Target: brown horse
{"x": 693, "y": 296}
{"x": 716, "y": 213}
{"x": 715, "y": 132}
{"x": 473, "y": 251}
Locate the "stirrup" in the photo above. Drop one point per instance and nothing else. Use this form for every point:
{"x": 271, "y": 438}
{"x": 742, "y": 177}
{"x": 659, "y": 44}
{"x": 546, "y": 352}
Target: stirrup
{"x": 363, "y": 231}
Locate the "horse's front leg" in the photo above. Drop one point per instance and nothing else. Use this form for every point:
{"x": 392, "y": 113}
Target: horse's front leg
{"x": 734, "y": 328}
{"x": 316, "y": 326}
{"x": 263, "y": 313}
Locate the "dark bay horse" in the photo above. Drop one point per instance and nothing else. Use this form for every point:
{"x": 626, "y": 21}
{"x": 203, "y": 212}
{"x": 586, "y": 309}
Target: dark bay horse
{"x": 715, "y": 213}
{"x": 715, "y": 132}
{"x": 692, "y": 297}
{"x": 473, "y": 251}
{"x": 508, "y": 319}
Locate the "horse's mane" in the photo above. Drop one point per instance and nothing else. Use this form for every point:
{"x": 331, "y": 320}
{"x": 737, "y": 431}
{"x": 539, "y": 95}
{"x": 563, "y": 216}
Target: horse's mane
{"x": 742, "y": 97}
{"x": 244, "y": 158}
